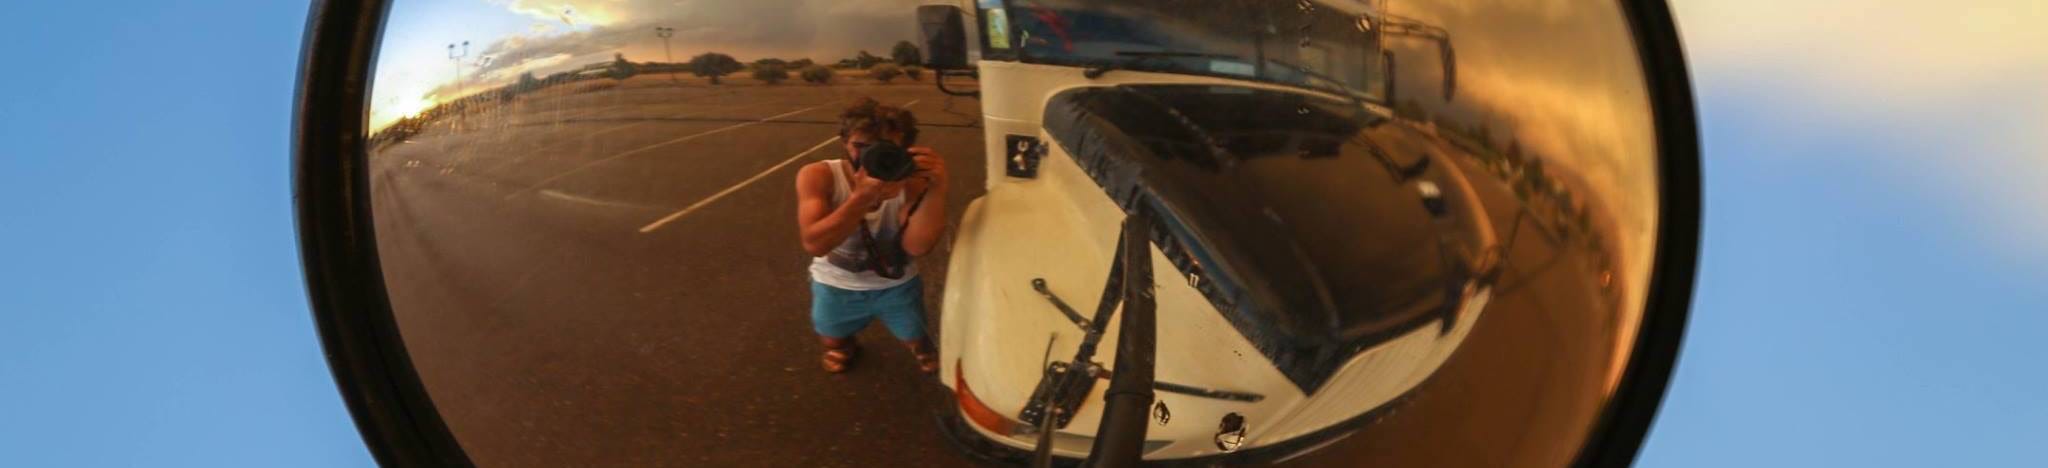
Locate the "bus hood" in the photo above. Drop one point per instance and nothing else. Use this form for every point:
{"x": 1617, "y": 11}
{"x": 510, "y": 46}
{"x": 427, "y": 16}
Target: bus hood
{"x": 1296, "y": 259}
{"x": 1304, "y": 221}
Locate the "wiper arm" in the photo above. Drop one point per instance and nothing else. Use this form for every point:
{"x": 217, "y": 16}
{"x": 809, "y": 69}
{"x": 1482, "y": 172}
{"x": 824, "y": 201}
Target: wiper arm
{"x": 1072, "y": 315}
{"x": 1134, "y": 57}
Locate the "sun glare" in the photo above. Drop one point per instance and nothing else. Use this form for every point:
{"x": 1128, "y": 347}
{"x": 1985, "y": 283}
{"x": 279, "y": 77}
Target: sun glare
{"x": 401, "y": 107}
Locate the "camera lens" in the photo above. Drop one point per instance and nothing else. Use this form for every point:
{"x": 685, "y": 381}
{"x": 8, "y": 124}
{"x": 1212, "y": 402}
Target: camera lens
{"x": 887, "y": 161}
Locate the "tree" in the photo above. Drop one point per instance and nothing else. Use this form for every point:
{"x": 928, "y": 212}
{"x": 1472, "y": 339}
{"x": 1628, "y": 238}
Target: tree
{"x": 866, "y": 60}
{"x": 770, "y": 73}
{"x": 801, "y": 63}
{"x": 916, "y": 73}
{"x": 713, "y": 65}
{"x": 817, "y": 74}
{"x": 527, "y": 83}
{"x": 885, "y": 72}
{"x": 771, "y": 61}
{"x": 621, "y": 69}
{"x": 906, "y": 54}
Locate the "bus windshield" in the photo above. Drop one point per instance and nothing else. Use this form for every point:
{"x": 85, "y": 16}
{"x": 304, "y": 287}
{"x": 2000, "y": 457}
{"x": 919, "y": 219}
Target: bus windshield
{"x": 1317, "y": 45}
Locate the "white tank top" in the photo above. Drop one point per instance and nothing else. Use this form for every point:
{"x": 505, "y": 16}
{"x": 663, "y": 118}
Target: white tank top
{"x": 884, "y": 222}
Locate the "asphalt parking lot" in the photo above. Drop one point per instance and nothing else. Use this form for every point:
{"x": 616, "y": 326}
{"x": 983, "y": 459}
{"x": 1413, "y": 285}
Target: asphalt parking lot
{"x": 607, "y": 277}
{"x": 613, "y": 277}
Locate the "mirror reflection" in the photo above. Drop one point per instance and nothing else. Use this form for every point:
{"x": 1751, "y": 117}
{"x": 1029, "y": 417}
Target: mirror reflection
{"x": 879, "y": 232}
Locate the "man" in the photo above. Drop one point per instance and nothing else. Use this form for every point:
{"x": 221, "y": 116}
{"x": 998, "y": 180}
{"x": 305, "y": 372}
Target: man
{"x": 864, "y": 233}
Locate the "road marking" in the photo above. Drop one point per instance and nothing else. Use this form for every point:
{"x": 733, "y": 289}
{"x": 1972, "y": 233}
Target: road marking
{"x": 650, "y": 227}
{"x": 644, "y": 149}
{"x": 560, "y": 195}
{"x": 557, "y": 144}
{"x": 585, "y": 136}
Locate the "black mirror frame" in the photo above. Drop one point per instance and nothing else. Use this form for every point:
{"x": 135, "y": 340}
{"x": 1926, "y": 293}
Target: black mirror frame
{"x": 943, "y": 23}
{"x": 337, "y": 241}
{"x": 398, "y": 422}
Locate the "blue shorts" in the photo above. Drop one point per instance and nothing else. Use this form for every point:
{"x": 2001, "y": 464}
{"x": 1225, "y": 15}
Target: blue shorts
{"x": 839, "y": 313}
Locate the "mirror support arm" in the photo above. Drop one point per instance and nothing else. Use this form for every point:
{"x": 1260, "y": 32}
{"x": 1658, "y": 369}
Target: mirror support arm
{"x": 939, "y": 78}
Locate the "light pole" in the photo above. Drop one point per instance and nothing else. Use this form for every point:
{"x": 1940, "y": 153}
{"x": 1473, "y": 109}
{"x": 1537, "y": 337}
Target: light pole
{"x": 457, "y": 59}
{"x": 666, "y": 33}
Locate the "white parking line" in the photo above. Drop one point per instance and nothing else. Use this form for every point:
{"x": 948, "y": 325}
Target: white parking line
{"x": 560, "y": 195}
{"x": 644, "y": 149}
{"x": 650, "y": 227}
{"x": 553, "y": 146}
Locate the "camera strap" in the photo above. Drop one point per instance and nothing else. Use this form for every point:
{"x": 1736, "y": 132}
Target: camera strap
{"x": 885, "y": 265}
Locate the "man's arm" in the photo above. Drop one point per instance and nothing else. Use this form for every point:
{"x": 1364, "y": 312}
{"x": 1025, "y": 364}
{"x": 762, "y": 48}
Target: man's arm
{"x": 929, "y": 221}
{"x": 819, "y": 224}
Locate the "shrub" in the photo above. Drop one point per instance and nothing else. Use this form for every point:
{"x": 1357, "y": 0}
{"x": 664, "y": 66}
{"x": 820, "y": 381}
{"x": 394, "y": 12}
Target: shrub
{"x": 885, "y": 72}
{"x": 906, "y": 54}
{"x": 916, "y": 73}
{"x": 713, "y": 65}
{"x": 770, "y": 73}
{"x": 622, "y": 69}
{"x": 866, "y": 60}
{"x": 817, "y": 74}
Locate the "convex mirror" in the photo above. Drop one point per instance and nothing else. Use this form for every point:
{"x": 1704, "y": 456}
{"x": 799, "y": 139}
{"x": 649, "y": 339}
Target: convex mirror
{"x": 1012, "y": 232}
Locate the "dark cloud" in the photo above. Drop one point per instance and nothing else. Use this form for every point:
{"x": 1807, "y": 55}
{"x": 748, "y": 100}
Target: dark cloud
{"x": 825, "y": 30}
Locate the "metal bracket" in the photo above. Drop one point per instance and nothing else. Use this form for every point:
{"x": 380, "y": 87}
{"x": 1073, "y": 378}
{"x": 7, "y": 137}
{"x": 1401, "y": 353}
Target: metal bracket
{"x": 1038, "y": 284}
{"x": 1021, "y": 155}
{"x": 1058, "y": 396}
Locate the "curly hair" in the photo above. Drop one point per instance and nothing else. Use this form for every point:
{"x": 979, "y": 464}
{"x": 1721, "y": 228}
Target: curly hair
{"x": 873, "y": 118}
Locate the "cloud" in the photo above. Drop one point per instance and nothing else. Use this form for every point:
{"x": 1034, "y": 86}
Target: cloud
{"x": 577, "y": 12}
{"x": 534, "y": 65}
{"x": 1954, "y": 90}
{"x": 566, "y": 34}
{"x": 1889, "y": 46}
{"x": 823, "y": 29}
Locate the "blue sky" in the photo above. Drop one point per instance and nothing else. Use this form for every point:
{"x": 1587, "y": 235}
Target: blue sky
{"x": 153, "y": 312}
{"x": 1869, "y": 290}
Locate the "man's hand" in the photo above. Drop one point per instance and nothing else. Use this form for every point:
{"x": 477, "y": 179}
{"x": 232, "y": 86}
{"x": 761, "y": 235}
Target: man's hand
{"x": 869, "y": 192}
{"x": 928, "y": 222}
{"x": 931, "y": 165}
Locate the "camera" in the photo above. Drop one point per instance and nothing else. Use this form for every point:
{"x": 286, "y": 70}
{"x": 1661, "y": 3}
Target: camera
{"x": 887, "y": 161}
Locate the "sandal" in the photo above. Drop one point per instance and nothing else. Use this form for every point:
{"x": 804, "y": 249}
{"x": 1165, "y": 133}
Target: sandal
{"x": 837, "y": 360}
{"x": 927, "y": 357}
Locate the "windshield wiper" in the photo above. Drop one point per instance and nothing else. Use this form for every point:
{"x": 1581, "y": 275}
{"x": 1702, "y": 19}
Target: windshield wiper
{"x": 1120, "y": 435}
{"x": 1134, "y": 57}
{"x": 1322, "y": 82}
